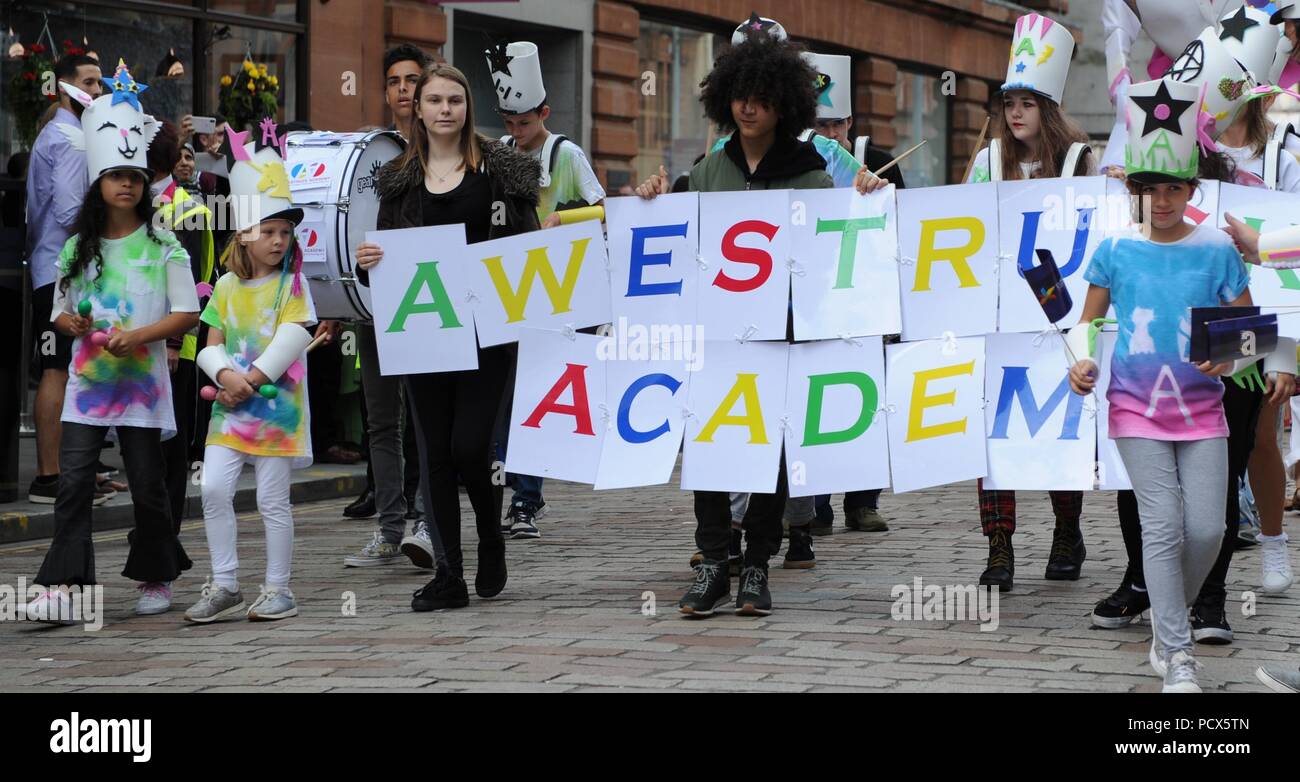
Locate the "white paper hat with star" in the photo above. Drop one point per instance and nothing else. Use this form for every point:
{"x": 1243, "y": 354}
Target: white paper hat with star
{"x": 1162, "y": 134}
{"x": 1251, "y": 38}
{"x": 1040, "y": 57}
{"x": 834, "y": 98}
{"x": 115, "y": 133}
{"x": 1172, "y": 24}
{"x": 757, "y": 25}
{"x": 1207, "y": 62}
{"x": 516, "y": 72}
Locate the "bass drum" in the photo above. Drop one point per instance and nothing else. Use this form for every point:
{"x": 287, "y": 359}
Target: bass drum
{"x": 332, "y": 179}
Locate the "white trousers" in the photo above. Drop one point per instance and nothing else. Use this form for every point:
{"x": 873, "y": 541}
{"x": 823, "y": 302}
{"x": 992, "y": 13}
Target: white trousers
{"x": 221, "y": 468}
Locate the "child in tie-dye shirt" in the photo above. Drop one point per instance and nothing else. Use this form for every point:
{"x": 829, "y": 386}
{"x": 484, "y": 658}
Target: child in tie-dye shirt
{"x": 1166, "y": 414}
{"x": 256, "y": 355}
{"x": 124, "y": 288}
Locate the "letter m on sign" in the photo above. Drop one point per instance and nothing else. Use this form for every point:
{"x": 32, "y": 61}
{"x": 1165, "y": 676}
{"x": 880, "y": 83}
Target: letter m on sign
{"x": 1015, "y": 386}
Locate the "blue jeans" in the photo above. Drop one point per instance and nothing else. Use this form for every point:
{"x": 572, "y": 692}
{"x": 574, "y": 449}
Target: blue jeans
{"x": 528, "y": 488}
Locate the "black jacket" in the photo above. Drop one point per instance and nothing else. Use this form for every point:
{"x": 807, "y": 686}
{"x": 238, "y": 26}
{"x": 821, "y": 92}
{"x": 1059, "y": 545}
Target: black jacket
{"x": 512, "y": 176}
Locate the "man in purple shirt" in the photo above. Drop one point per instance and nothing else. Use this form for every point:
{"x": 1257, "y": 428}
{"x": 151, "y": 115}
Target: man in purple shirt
{"x": 56, "y": 187}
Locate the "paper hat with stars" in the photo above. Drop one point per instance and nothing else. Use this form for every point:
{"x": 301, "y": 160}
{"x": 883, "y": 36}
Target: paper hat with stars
{"x": 259, "y": 183}
{"x": 834, "y": 98}
{"x": 1172, "y": 24}
{"x": 1040, "y": 57}
{"x": 115, "y": 133}
{"x": 516, "y": 72}
{"x": 757, "y": 25}
{"x": 1162, "y": 131}
{"x": 1251, "y": 37}
{"x": 1206, "y": 62}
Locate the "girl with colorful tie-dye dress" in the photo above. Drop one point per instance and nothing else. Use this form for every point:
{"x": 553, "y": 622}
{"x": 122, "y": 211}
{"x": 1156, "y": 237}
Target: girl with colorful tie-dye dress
{"x": 256, "y": 355}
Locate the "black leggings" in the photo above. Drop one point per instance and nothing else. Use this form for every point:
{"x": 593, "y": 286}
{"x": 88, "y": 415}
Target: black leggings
{"x": 454, "y": 414}
{"x": 1241, "y": 409}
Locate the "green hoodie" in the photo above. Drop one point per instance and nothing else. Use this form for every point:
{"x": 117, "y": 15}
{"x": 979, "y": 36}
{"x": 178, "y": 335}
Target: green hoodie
{"x": 789, "y": 164}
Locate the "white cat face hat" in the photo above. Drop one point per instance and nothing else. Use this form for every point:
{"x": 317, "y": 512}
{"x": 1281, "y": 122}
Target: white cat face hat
{"x": 115, "y": 133}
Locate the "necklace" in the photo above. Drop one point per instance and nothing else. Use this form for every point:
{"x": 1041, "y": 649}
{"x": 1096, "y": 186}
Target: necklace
{"x": 443, "y": 177}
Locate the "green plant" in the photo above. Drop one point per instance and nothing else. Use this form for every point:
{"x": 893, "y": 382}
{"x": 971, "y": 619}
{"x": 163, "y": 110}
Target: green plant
{"x": 32, "y": 88}
{"x": 248, "y": 96}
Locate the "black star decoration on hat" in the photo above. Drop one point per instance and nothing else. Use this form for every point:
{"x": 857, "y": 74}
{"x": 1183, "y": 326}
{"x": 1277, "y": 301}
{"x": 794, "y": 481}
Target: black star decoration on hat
{"x": 1236, "y": 26}
{"x": 757, "y": 24}
{"x": 498, "y": 60}
{"x": 1167, "y": 119}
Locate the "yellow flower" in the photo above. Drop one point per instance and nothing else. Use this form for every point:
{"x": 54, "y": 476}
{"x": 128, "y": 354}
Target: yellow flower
{"x": 252, "y": 87}
{"x": 261, "y": 70}
{"x": 226, "y": 81}
{"x": 275, "y": 82}
{"x": 248, "y": 67}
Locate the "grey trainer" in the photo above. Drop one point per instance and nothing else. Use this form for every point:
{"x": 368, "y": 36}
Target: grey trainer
{"x": 273, "y": 603}
{"x": 215, "y": 604}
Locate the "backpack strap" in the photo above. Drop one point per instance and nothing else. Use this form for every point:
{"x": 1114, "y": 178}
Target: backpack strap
{"x": 807, "y": 134}
{"x": 860, "y": 145}
{"x": 1072, "y": 158}
{"x": 550, "y": 151}
{"x": 995, "y": 160}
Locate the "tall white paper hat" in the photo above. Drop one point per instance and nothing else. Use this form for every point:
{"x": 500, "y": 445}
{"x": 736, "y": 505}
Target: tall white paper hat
{"x": 517, "y": 76}
{"x": 757, "y": 25}
{"x": 1162, "y": 132}
{"x": 259, "y": 183}
{"x": 115, "y": 133}
{"x": 1207, "y": 62}
{"x": 1172, "y": 24}
{"x": 1251, "y": 38}
{"x": 1040, "y": 57}
{"x": 834, "y": 98}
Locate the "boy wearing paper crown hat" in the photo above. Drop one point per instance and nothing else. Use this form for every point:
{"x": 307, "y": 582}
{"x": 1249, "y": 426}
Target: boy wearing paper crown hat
{"x": 567, "y": 182}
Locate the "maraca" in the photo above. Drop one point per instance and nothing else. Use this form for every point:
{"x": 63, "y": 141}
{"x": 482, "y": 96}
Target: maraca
{"x": 99, "y": 338}
{"x": 266, "y": 390}
{"x": 84, "y": 308}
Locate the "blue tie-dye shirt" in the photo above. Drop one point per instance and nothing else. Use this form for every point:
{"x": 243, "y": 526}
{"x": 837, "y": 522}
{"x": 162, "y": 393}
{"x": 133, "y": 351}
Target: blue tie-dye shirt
{"x": 1155, "y": 392}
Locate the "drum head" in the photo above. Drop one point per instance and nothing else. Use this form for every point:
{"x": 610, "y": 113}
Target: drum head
{"x": 363, "y": 200}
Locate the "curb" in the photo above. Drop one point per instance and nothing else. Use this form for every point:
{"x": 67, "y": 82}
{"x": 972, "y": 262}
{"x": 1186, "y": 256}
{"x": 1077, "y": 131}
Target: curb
{"x": 118, "y": 512}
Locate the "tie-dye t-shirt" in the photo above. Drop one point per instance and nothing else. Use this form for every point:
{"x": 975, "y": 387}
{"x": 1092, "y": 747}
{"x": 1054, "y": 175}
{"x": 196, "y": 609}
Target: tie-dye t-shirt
{"x": 573, "y": 183}
{"x": 246, "y": 313}
{"x": 141, "y": 282}
{"x": 1155, "y": 393}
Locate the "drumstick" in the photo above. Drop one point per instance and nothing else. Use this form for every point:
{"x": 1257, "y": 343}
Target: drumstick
{"x": 979, "y": 143}
{"x": 898, "y": 159}
{"x": 312, "y": 345}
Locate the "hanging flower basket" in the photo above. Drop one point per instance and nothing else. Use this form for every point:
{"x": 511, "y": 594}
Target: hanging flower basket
{"x": 26, "y": 96}
{"x": 248, "y": 96}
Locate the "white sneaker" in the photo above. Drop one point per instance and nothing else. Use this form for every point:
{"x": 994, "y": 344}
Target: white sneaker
{"x": 1181, "y": 676}
{"x": 1275, "y": 565}
{"x": 155, "y": 598}
{"x": 52, "y": 606}
{"x": 418, "y": 546}
{"x": 1157, "y": 658}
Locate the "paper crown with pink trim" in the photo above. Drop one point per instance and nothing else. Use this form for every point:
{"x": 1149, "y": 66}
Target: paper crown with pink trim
{"x": 115, "y": 133}
{"x": 1163, "y": 130}
{"x": 1040, "y": 57}
{"x": 259, "y": 183}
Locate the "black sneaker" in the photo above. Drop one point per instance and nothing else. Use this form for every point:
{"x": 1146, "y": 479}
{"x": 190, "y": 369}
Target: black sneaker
{"x": 1001, "y": 568}
{"x": 491, "y": 576}
{"x": 799, "y": 555}
{"x": 711, "y": 589}
{"x": 522, "y": 519}
{"x": 1210, "y": 625}
{"x": 44, "y": 490}
{"x": 1121, "y": 608}
{"x": 752, "y": 598}
{"x": 444, "y": 591}
{"x": 733, "y": 552}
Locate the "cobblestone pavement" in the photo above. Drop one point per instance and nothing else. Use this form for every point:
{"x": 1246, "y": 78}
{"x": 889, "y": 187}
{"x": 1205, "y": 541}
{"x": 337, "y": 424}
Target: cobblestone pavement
{"x": 574, "y": 615}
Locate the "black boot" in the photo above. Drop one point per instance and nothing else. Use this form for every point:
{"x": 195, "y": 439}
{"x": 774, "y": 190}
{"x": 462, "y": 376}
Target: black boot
{"x": 1068, "y": 552}
{"x": 362, "y": 507}
{"x": 491, "y": 576}
{"x": 1002, "y": 562}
